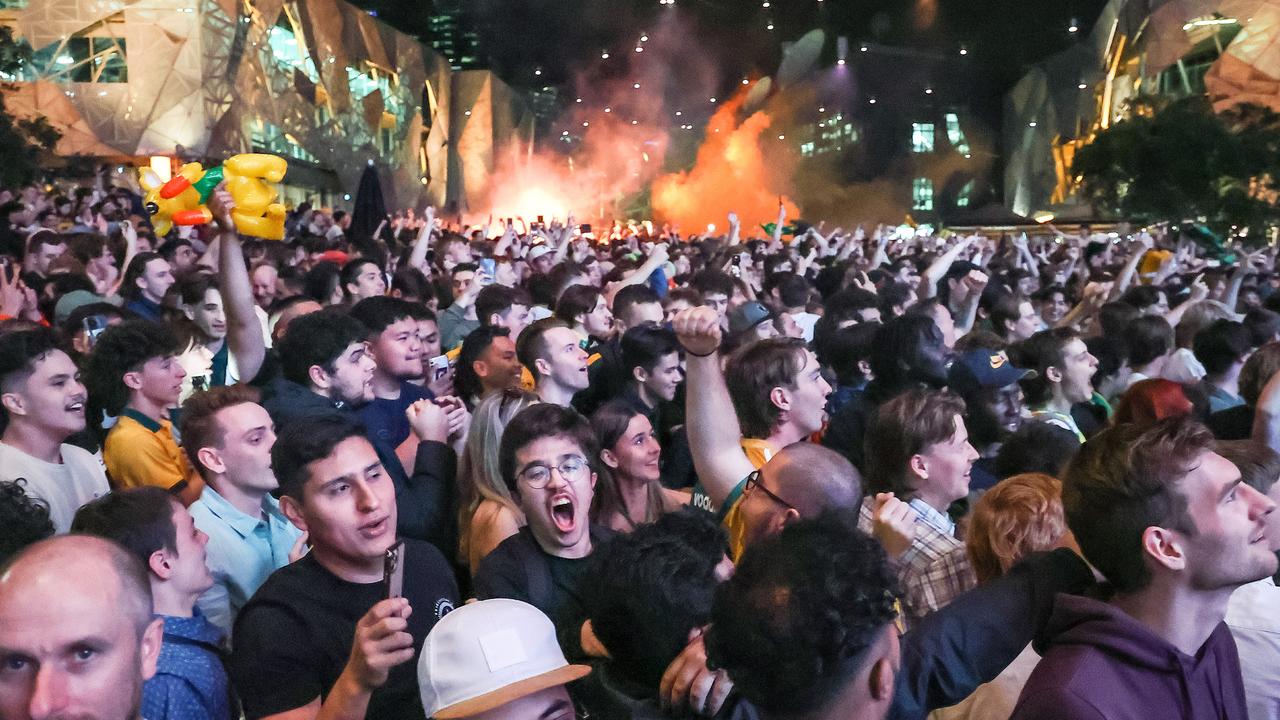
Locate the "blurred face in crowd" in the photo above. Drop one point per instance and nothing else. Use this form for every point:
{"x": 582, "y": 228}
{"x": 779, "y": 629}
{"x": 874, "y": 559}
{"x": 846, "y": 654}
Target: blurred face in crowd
{"x": 351, "y": 377}
{"x": 1230, "y": 545}
{"x": 719, "y": 302}
{"x": 808, "y": 397}
{"x": 1054, "y": 308}
{"x": 599, "y": 322}
{"x": 348, "y": 507}
{"x": 942, "y": 470}
{"x": 515, "y": 319}
{"x": 291, "y": 313}
{"x": 673, "y": 308}
{"x": 594, "y": 274}
{"x": 155, "y": 280}
{"x": 553, "y": 703}
{"x": 397, "y": 350}
{"x": 555, "y": 486}
{"x": 51, "y": 398}
{"x": 505, "y": 274}
{"x": 429, "y": 336}
{"x": 184, "y": 257}
{"x": 458, "y": 252}
{"x": 103, "y": 265}
{"x": 208, "y": 315}
{"x": 638, "y": 314}
{"x": 1026, "y": 325}
{"x": 67, "y": 647}
{"x": 566, "y": 361}
{"x": 244, "y": 454}
{"x": 786, "y": 326}
{"x": 542, "y": 264}
{"x": 1005, "y": 405}
{"x": 369, "y": 283}
{"x": 635, "y": 456}
{"x": 158, "y": 382}
{"x": 46, "y": 254}
{"x": 189, "y": 571}
{"x": 264, "y": 285}
{"x": 1161, "y": 307}
{"x": 461, "y": 282}
{"x": 664, "y": 379}
{"x": 498, "y": 367}
{"x": 1077, "y": 371}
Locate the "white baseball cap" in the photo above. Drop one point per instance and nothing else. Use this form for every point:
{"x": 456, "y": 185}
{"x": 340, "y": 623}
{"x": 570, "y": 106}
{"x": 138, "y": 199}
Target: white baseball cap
{"x": 486, "y": 654}
{"x": 536, "y": 252}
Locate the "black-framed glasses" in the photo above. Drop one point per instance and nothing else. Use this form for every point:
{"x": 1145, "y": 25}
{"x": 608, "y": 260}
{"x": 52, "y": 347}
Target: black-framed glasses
{"x": 753, "y": 483}
{"x": 538, "y": 476}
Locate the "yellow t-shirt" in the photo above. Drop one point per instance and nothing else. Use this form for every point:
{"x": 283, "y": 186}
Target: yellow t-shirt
{"x": 758, "y": 452}
{"x": 140, "y": 451}
{"x": 526, "y": 378}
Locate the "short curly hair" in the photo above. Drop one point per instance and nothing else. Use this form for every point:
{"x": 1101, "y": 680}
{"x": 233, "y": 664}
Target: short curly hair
{"x": 25, "y": 519}
{"x": 801, "y": 610}
{"x": 122, "y": 349}
{"x": 651, "y": 587}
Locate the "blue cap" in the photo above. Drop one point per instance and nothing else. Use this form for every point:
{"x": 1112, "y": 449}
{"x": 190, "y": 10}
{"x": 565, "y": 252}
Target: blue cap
{"x": 984, "y": 370}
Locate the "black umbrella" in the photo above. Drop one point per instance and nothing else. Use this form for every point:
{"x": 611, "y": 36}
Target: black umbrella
{"x": 370, "y": 209}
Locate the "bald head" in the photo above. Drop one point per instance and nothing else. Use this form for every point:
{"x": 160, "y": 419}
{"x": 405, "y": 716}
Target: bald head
{"x": 816, "y": 479}
{"x": 73, "y": 562}
{"x": 76, "y": 634}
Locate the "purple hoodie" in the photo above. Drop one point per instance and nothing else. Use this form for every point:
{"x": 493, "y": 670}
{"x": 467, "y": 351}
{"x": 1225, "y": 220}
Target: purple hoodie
{"x": 1101, "y": 663}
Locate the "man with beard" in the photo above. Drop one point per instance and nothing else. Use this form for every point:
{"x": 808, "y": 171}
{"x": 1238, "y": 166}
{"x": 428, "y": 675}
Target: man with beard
{"x": 42, "y": 395}
{"x": 1171, "y": 526}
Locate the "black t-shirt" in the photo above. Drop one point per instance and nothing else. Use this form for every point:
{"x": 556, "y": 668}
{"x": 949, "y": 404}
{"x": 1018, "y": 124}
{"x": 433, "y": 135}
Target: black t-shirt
{"x": 293, "y": 639}
{"x": 518, "y": 569}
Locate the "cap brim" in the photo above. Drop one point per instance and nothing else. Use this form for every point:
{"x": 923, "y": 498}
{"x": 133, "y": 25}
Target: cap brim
{"x": 514, "y": 691}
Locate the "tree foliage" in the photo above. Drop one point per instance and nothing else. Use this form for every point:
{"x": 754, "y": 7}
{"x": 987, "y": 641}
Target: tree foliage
{"x": 1180, "y": 160}
{"x": 23, "y": 141}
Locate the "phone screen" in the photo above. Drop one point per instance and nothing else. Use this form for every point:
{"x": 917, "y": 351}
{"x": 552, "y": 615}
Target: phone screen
{"x": 393, "y": 571}
{"x": 489, "y": 267}
{"x": 439, "y": 367}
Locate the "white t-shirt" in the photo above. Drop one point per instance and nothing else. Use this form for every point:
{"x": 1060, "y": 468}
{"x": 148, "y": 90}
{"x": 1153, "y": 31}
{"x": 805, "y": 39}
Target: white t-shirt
{"x": 65, "y": 487}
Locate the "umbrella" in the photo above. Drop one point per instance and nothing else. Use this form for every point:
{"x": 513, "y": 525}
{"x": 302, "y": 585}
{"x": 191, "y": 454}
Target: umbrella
{"x": 370, "y": 209}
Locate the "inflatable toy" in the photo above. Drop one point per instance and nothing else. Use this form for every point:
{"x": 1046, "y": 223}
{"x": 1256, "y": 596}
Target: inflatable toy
{"x": 181, "y": 200}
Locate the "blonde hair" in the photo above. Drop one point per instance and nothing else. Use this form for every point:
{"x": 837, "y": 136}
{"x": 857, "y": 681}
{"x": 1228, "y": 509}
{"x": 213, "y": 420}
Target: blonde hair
{"x": 1022, "y": 514}
{"x": 479, "y": 477}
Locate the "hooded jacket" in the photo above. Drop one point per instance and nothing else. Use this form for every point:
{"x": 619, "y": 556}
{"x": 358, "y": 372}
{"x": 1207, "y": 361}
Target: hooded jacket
{"x": 1101, "y": 663}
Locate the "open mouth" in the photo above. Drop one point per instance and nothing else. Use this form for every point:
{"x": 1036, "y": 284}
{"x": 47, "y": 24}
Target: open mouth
{"x": 562, "y": 513}
{"x": 75, "y": 406}
{"x": 375, "y": 528}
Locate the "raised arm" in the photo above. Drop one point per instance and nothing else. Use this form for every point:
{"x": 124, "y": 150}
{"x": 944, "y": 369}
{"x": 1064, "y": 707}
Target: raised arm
{"x": 244, "y": 331}
{"x": 938, "y": 268}
{"x": 715, "y": 436}
{"x": 418, "y": 258}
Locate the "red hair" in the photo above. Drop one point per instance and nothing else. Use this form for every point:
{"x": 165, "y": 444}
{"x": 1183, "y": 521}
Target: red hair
{"x": 1147, "y": 402}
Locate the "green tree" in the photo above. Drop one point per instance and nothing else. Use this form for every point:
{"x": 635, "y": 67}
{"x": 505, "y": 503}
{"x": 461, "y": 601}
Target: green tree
{"x": 23, "y": 141}
{"x": 1180, "y": 160}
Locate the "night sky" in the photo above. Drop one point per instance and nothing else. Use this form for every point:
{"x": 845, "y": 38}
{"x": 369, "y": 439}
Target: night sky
{"x": 565, "y": 37}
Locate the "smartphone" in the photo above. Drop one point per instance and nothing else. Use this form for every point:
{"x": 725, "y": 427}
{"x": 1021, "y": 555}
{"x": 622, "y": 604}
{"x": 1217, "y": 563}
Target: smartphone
{"x": 439, "y": 367}
{"x": 393, "y": 571}
{"x": 584, "y": 229}
{"x": 93, "y": 327}
{"x": 488, "y": 268}
{"x": 540, "y": 220}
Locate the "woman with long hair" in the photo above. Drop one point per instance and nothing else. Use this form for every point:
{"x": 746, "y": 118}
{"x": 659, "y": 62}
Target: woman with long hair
{"x": 629, "y": 491}
{"x": 487, "y": 514}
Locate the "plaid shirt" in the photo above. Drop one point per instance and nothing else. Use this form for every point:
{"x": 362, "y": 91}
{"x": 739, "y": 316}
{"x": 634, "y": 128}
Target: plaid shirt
{"x": 935, "y": 569}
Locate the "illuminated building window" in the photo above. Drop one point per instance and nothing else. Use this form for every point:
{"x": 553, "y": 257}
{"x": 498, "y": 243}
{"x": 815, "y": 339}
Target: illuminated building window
{"x": 269, "y": 138}
{"x": 962, "y": 199}
{"x": 288, "y": 46}
{"x": 955, "y": 135}
{"x": 922, "y": 137}
{"x": 96, "y": 54}
{"x": 922, "y": 194}
{"x": 806, "y": 149}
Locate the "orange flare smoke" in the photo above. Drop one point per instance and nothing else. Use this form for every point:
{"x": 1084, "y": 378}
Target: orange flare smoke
{"x": 730, "y": 175}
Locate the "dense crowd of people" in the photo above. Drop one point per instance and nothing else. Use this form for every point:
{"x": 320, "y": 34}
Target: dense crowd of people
{"x": 525, "y": 470}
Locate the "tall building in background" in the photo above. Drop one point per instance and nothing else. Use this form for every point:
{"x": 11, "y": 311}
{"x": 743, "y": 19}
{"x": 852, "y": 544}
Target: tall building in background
{"x": 455, "y": 33}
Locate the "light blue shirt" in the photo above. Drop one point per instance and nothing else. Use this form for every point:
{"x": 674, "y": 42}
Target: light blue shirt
{"x": 937, "y": 520}
{"x": 242, "y": 552}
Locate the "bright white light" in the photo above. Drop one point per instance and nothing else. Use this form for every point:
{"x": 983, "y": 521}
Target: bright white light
{"x": 862, "y": 48}
{"x": 346, "y": 196}
{"x": 840, "y": 61}
{"x": 578, "y": 100}
{"x": 1031, "y": 124}
{"x": 872, "y": 101}
{"x": 678, "y": 113}
{"x": 644, "y": 38}
{"x": 746, "y": 81}
{"x": 608, "y": 109}
{"x": 769, "y": 26}
{"x": 822, "y": 109}
{"x": 467, "y": 113}
{"x": 635, "y": 86}
{"x": 782, "y": 137}
{"x": 928, "y": 91}
{"x": 713, "y": 99}
{"x": 1082, "y": 86}
{"x": 639, "y": 49}
{"x": 586, "y": 124}
{"x": 537, "y": 71}
{"x": 964, "y": 51}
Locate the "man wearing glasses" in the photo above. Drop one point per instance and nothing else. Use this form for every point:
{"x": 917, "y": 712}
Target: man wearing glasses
{"x": 544, "y": 460}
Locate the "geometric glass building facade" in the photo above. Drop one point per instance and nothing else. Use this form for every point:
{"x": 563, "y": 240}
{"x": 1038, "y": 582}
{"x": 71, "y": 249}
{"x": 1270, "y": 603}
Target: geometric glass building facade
{"x": 320, "y": 82}
{"x": 1228, "y": 50}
